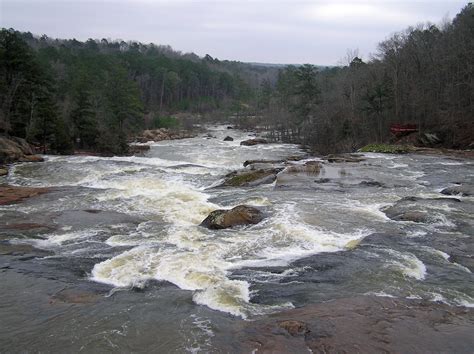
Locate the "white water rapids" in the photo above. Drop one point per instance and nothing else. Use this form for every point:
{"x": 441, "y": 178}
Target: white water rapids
{"x": 171, "y": 191}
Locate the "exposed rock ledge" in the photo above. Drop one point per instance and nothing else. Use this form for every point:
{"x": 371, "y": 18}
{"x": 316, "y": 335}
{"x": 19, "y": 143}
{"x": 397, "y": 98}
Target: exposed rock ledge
{"x": 163, "y": 134}
{"x": 364, "y": 324}
{"x": 16, "y": 149}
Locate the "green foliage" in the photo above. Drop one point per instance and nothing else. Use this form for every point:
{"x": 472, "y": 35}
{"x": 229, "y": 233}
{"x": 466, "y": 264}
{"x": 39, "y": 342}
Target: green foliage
{"x": 94, "y": 94}
{"x": 165, "y": 122}
{"x": 386, "y": 149}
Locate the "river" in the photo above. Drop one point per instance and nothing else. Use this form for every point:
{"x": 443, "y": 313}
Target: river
{"x": 121, "y": 263}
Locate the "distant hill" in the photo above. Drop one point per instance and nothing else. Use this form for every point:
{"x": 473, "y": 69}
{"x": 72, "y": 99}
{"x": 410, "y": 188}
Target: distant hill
{"x": 282, "y": 66}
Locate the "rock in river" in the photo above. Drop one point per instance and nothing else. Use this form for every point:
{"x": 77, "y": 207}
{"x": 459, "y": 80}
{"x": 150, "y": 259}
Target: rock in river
{"x": 228, "y": 138}
{"x": 344, "y": 158}
{"x": 419, "y": 210}
{"x": 463, "y": 190}
{"x": 252, "y": 142}
{"x": 251, "y": 178}
{"x": 240, "y": 215}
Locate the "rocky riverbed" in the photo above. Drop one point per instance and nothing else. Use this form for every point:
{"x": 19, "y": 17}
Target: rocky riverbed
{"x": 355, "y": 253}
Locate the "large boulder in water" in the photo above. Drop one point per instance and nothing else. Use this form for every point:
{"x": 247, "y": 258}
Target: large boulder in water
{"x": 10, "y": 150}
{"x": 16, "y": 149}
{"x": 252, "y": 142}
{"x": 462, "y": 190}
{"x": 251, "y": 178}
{"x": 240, "y": 215}
{"x": 419, "y": 210}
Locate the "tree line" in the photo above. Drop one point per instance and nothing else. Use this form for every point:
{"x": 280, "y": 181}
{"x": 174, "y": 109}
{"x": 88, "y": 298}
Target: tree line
{"x": 66, "y": 94}
{"x": 423, "y": 75}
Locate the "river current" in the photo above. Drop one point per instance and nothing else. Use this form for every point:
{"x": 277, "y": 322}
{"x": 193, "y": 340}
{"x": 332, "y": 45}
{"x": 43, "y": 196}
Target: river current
{"x": 127, "y": 230}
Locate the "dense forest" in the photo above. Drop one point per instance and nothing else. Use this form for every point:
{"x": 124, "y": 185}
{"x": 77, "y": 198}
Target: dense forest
{"x": 66, "y": 94}
{"x": 63, "y": 95}
{"x": 423, "y": 75}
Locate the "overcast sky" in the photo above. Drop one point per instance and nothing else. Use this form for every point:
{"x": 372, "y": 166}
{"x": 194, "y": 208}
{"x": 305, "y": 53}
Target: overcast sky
{"x": 270, "y": 31}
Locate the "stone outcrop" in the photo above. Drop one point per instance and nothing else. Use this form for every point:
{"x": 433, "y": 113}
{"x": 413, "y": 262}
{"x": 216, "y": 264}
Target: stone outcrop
{"x": 251, "y": 178}
{"x": 16, "y": 149}
{"x": 163, "y": 134}
{"x": 252, "y": 142}
{"x": 228, "y": 138}
{"x": 240, "y": 215}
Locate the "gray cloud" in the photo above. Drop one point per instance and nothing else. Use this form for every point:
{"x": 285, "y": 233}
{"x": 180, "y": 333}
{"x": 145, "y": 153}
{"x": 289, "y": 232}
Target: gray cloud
{"x": 316, "y": 32}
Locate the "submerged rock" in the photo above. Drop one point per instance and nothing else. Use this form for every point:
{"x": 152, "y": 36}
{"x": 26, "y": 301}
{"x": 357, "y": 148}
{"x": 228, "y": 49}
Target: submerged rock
{"x": 323, "y": 180}
{"x": 240, "y": 215}
{"x": 75, "y": 296}
{"x": 22, "y": 250}
{"x": 298, "y": 176}
{"x": 252, "y": 142}
{"x": 464, "y": 260}
{"x": 344, "y": 158}
{"x": 371, "y": 184}
{"x": 87, "y": 218}
{"x": 462, "y": 190}
{"x": 3, "y": 171}
{"x": 253, "y": 162}
{"x": 294, "y": 328}
{"x": 310, "y": 167}
{"x": 14, "y": 194}
{"x": 228, "y": 138}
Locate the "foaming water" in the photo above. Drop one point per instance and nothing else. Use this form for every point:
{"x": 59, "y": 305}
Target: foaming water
{"x": 171, "y": 190}
{"x": 408, "y": 264}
